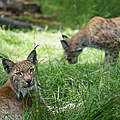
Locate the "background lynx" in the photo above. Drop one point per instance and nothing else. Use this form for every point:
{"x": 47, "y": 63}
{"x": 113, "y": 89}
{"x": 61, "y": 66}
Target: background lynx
{"x": 100, "y": 33}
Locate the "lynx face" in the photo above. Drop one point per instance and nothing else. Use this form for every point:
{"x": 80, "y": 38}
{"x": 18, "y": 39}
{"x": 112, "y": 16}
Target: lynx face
{"x": 71, "y": 53}
{"x": 22, "y": 74}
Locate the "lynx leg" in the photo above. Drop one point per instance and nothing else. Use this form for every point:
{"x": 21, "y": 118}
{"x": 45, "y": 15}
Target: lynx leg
{"x": 111, "y": 56}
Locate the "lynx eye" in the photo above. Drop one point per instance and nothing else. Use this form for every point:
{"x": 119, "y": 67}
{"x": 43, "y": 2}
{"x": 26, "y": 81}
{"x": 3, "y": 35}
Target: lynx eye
{"x": 19, "y": 73}
{"x": 31, "y": 70}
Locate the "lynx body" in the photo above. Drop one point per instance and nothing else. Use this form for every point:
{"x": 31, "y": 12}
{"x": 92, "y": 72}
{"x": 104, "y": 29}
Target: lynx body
{"x": 99, "y": 33}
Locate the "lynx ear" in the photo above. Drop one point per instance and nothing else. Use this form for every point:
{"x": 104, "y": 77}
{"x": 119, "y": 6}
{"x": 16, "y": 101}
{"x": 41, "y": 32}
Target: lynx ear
{"x": 64, "y": 37}
{"x": 7, "y": 64}
{"x": 32, "y": 57}
{"x": 64, "y": 44}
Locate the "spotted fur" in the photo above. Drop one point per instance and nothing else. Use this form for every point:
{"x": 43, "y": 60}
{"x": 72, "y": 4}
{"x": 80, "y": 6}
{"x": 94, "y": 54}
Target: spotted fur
{"x": 17, "y": 92}
{"x": 99, "y": 33}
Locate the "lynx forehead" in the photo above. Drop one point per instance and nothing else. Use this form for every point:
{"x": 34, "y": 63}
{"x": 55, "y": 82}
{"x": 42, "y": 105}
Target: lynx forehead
{"x": 23, "y": 66}
{"x": 99, "y": 33}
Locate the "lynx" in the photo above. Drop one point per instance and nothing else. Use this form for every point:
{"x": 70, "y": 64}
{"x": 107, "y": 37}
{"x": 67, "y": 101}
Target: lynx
{"x": 18, "y": 90}
{"x": 99, "y": 33}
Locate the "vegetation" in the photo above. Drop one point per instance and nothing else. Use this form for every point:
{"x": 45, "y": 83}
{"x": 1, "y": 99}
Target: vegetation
{"x": 75, "y": 13}
{"x": 92, "y": 86}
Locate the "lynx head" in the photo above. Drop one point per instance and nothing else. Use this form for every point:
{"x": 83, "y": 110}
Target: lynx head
{"x": 22, "y": 74}
{"x": 71, "y": 50}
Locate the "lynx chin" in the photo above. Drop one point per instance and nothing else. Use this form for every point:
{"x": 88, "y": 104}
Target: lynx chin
{"x": 99, "y": 33}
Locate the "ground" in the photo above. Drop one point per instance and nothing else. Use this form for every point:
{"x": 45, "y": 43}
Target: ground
{"x": 90, "y": 84}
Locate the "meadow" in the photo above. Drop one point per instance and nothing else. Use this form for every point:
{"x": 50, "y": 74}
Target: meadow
{"x": 91, "y": 85}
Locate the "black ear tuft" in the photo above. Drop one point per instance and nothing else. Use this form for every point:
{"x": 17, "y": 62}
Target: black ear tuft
{"x": 36, "y": 47}
{"x": 7, "y": 64}
{"x": 64, "y": 37}
{"x": 32, "y": 57}
{"x": 64, "y": 44}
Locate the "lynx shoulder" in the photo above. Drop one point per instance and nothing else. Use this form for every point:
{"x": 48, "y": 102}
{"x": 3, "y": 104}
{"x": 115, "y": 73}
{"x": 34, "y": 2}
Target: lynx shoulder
{"x": 99, "y": 33}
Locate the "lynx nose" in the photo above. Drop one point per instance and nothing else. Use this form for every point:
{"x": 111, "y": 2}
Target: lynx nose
{"x": 29, "y": 81}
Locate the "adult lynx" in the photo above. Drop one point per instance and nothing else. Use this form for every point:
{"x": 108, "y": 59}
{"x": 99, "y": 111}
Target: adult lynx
{"x": 18, "y": 89}
{"x": 99, "y": 33}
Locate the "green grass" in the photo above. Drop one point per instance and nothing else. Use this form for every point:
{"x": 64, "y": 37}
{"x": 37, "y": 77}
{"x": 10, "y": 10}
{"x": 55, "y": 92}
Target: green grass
{"x": 75, "y": 13}
{"x": 89, "y": 84}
